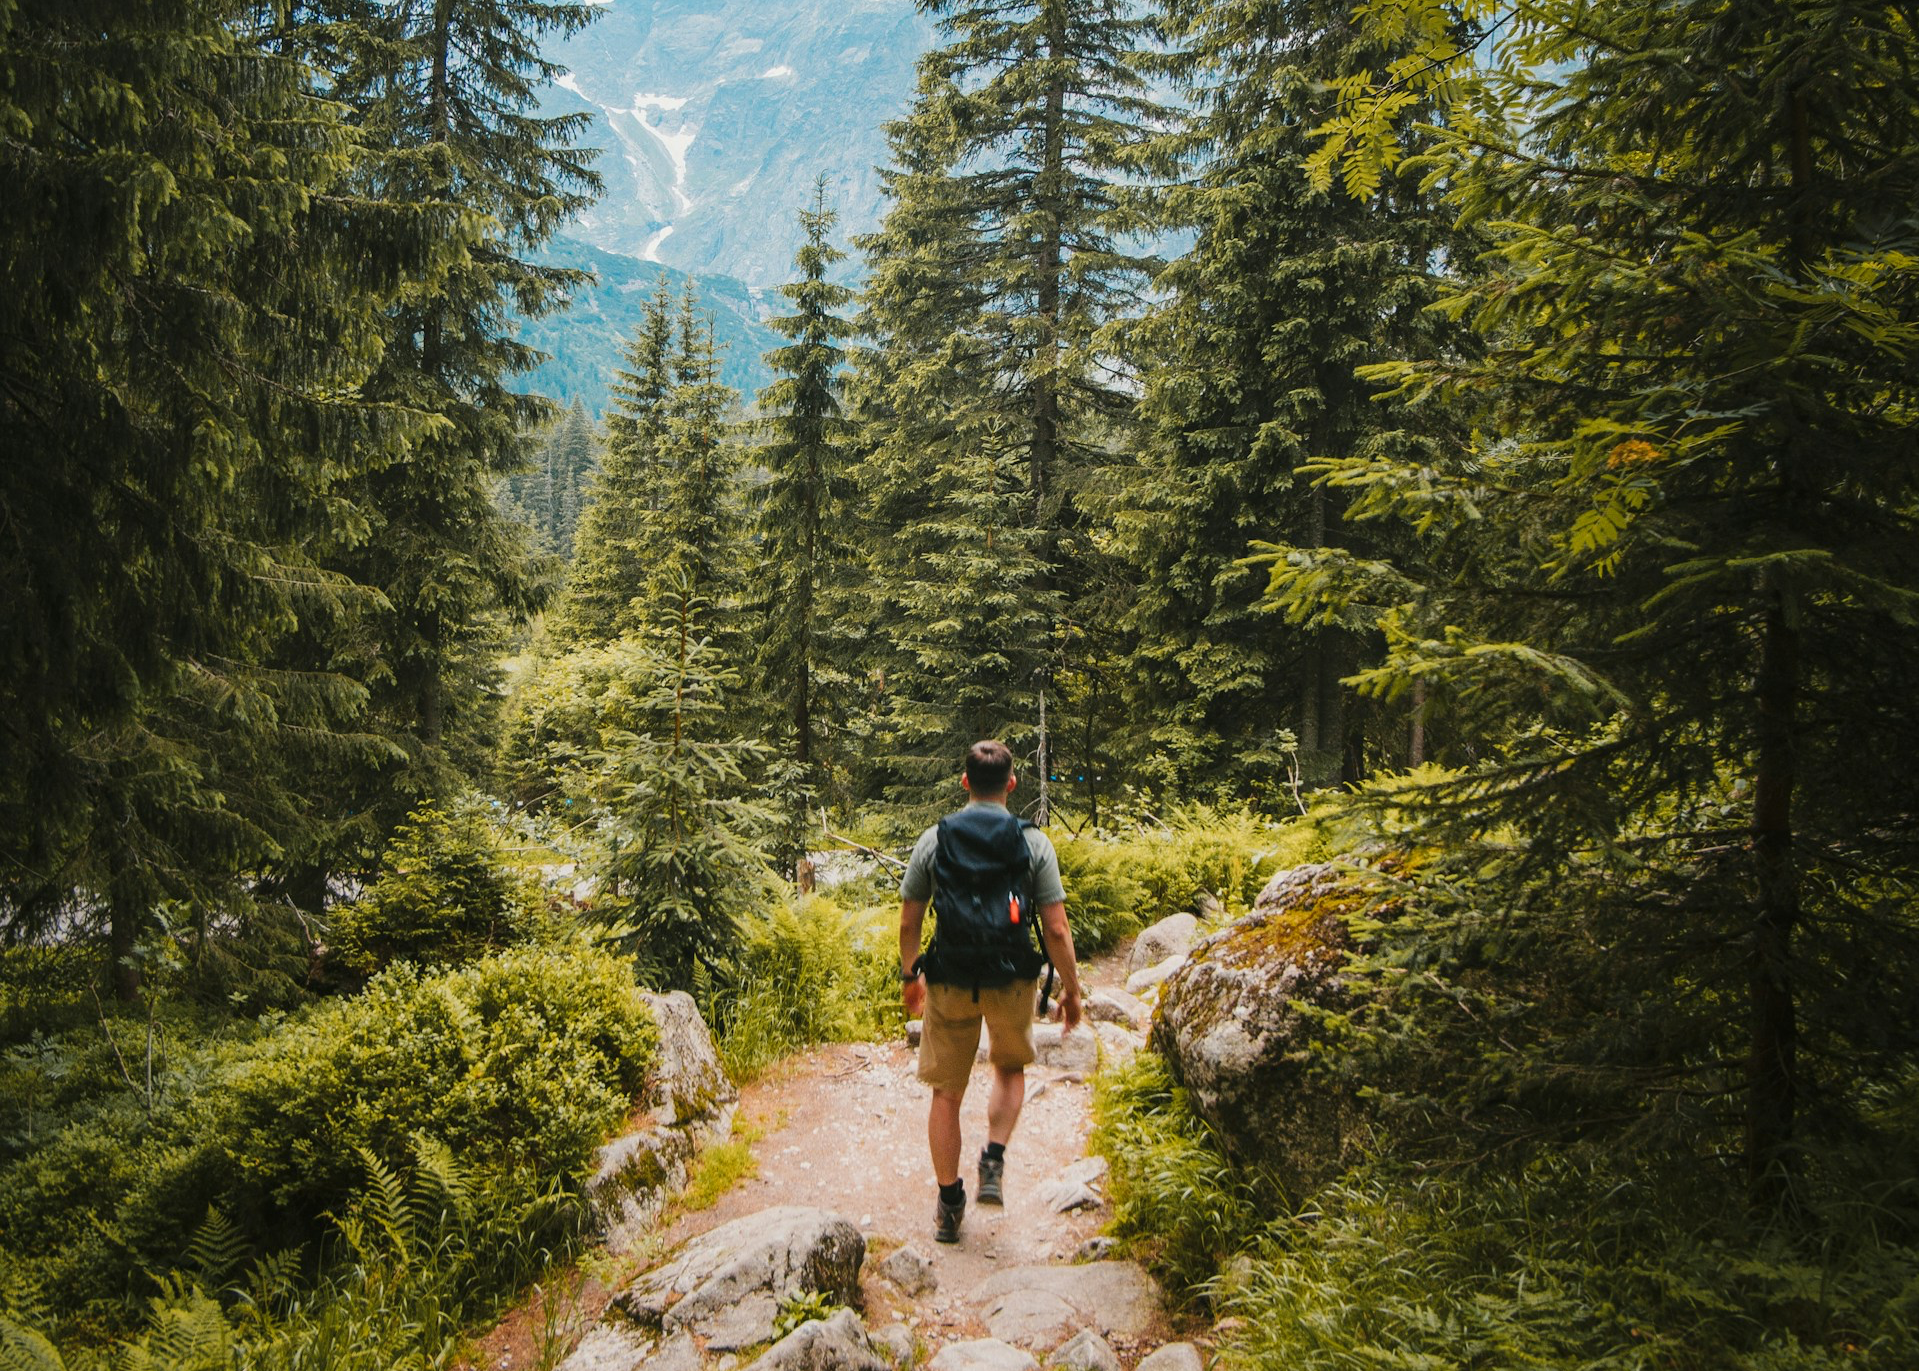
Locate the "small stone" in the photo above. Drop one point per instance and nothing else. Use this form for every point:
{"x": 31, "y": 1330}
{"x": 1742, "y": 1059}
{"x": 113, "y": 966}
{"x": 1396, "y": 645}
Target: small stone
{"x": 983, "y": 1354}
{"x": 1171, "y": 936}
{"x": 609, "y": 1347}
{"x": 1148, "y": 977}
{"x": 1096, "y": 1248}
{"x": 1086, "y": 1171}
{"x": 1063, "y": 1051}
{"x": 1117, "y": 1007}
{"x": 1116, "y": 1045}
{"x": 1038, "y": 1319}
{"x": 896, "y": 1340}
{"x": 1175, "y": 1356}
{"x": 911, "y": 1270}
{"x": 1085, "y": 1351}
{"x": 1063, "y": 1196}
{"x": 836, "y": 1344}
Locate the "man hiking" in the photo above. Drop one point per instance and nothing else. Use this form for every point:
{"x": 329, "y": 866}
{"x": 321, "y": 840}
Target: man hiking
{"x": 993, "y": 880}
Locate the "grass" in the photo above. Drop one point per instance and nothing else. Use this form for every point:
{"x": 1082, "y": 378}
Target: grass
{"x": 719, "y": 1168}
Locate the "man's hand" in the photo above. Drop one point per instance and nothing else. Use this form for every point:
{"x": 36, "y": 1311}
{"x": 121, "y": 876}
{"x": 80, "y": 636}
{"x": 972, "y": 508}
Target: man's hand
{"x": 914, "y": 993}
{"x": 1069, "y": 1010}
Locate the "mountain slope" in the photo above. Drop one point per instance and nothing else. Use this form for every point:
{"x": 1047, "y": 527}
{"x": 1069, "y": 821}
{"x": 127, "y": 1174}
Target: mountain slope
{"x": 715, "y": 117}
{"x": 588, "y": 341}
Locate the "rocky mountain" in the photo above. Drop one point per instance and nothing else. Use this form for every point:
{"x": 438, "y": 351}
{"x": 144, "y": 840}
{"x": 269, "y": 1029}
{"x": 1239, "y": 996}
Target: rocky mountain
{"x": 587, "y": 342}
{"x": 716, "y": 116}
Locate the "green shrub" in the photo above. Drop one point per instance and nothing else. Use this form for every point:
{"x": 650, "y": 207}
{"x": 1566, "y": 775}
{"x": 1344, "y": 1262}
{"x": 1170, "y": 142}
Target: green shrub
{"x": 1118, "y": 883}
{"x": 806, "y": 973}
{"x": 1570, "y": 1264}
{"x": 519, "y": 1063}
{"x": 419, "y": 1254}
{"x": 446, "y": 894}
{"x": 522, "y": 1060}
{"x": 1577, "y": 1261}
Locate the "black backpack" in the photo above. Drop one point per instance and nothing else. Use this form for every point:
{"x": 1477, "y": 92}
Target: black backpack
{"x": 985, "y": 930}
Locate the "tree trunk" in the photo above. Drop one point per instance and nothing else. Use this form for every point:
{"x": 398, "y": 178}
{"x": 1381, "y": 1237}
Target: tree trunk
{"x": 1416, "y": 745}
{"x": 126, "y": 913}
{"x": 1771, "y": 1063}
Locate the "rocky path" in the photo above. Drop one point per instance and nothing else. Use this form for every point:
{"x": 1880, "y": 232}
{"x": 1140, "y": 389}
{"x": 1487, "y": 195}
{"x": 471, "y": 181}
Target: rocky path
{"x": 842, "y": 1202}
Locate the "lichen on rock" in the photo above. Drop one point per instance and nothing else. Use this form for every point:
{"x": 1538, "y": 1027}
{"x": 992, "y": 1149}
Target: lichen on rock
{"x": 1237, "y": 1025}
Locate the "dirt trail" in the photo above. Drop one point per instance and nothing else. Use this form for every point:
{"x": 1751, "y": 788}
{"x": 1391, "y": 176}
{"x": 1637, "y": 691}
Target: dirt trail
{"x": 843, "y": 1127}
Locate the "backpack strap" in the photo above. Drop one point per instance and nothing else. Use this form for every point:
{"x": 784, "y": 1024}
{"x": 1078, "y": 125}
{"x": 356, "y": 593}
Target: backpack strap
{"x": 1039, "y": 925}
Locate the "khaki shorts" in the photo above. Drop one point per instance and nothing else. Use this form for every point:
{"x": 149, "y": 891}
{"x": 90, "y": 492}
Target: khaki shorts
{"x": 949, "y": 1034}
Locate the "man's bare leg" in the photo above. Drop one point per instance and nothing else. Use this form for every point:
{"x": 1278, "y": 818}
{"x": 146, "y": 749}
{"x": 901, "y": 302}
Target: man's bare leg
{"x": 1002, "y": 1107}
{"x": 943, "y": 1134}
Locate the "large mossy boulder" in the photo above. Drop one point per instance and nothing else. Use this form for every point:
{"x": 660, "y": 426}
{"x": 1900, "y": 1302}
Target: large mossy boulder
{"x": 1236, "y": 1026}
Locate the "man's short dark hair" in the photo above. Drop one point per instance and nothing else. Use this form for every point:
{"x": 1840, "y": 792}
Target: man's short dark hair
{"x": 989, "y": 766}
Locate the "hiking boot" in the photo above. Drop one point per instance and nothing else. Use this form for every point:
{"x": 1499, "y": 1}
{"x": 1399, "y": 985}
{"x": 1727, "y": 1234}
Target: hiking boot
{"x": 946, "y": 1221}
{"x": 991, "y": 1169}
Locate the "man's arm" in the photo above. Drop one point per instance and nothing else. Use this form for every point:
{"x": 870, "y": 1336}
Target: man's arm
{"x": 912, "y": 918}
{"x": 1059, "y": 942}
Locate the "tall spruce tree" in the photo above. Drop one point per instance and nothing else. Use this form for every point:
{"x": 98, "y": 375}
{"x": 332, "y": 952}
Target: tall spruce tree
{"x": 614, "y": 547}
{"x": 197, "y": 293}
{"x": 999, "y": 261}
{"x": 698, "y": 527}
{"x": 1673, "y": 583}
{"x": 442, "y": 92}
{"x": 1251, "y": 367}
{"x": 800, "y": 506}
{"x": 547, "y": 498}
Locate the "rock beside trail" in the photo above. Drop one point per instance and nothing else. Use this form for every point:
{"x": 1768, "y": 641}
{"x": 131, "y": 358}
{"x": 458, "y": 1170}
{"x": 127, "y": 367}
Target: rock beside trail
{"x": 689, "y": 1088}
{"x": 1231, "y": 1030}
{"x": 1116, "y": 1045}
{"x": 1174, "y": 1356}
{"x": 984, "y": 1354}
{"x": 1147, "y": 977}
{"x": 688, "y": 1102}
{"x": 726, "y": 1286}
{"x": 1118, "y": 1007}
{"x": 836, "y": 1344}
{"x": 1172, "y": 936}
{"x": 896, "y": 1340}
{"x": 1085, "y": 1351}
{"x": 1062, "y": 1051}
{"x": 1040, "y": 1307}
{"x": 911, "y": 1270}
{"x": 1062, "y": 1196}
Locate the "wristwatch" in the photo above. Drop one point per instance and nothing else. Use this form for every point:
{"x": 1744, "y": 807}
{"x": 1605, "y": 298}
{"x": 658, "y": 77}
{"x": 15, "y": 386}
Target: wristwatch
{"x": 908, "y": 977}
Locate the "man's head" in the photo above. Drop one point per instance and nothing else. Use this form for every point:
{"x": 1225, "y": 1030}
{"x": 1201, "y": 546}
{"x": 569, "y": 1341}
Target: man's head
{"x": 989, "y": 770}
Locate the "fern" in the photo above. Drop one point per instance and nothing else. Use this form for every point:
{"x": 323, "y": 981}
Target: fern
{"x": 383, "y": 1204}
{"x": 217, "y": 1250}
{"x": 22, "y": 1349}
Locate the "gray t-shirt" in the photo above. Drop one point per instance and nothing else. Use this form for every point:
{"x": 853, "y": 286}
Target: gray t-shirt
{"x": 917, "y": 883}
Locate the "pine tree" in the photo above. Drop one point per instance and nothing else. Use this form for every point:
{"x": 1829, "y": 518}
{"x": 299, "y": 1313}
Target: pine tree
{"x": 614, "y": 547}
{"x": 800, "y": 507}
{"x": 996, "y": 268}
{"x": 197, "y": 295}
{"x": 1672, "y": 582}
{"x": 572, "y": 458}
{"x": 1250, "y": 372}
{"x": 442, "y": 93}
{"x": 697, "y": 530}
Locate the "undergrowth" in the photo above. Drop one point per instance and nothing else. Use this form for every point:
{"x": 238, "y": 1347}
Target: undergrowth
{"x": 1570, "y": 1261}
{"x": 807, "y": 972}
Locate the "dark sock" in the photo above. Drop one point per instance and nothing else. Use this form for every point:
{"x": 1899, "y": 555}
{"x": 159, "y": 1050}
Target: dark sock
{"x": 954, "y": 1193}
{"x": 996, "y": 1151}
